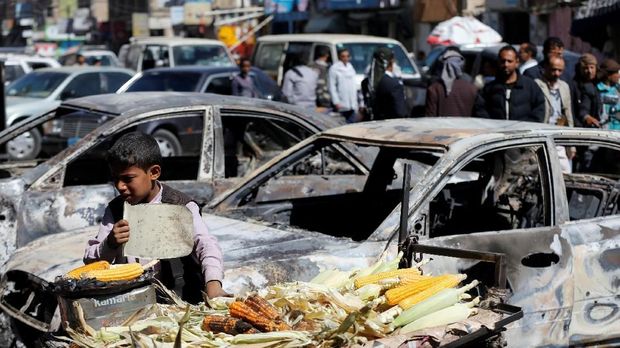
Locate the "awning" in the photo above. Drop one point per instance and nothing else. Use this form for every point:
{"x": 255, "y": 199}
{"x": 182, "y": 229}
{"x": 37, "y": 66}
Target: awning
{"x": 591, "y": 20}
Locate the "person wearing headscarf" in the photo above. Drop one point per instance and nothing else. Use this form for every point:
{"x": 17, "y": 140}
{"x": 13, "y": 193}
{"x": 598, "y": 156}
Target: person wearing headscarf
{"x": 587, "y": 105}
{"x": 388, "y": 99}
{"x": 451, "y": 95}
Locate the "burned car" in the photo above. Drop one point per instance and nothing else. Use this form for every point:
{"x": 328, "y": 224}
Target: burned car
{"x": 220, "y": 139}
{"x": 485, "y": 185}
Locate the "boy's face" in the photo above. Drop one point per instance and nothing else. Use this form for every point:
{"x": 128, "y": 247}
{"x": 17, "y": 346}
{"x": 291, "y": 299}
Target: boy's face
{"x": 135, "y": 184}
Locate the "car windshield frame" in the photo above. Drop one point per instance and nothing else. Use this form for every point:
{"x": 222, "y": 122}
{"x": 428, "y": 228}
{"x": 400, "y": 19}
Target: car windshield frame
{"x": 368, "y": 48}
{"x": 22, "y": 87}
{"x": 177, "y": 81}
{"x": 221, "y": 59}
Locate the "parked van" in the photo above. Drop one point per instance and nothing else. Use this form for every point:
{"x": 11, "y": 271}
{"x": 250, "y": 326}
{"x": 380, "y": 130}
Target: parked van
{"x": 273, "y": 54}
{"x": 152, "y": 52}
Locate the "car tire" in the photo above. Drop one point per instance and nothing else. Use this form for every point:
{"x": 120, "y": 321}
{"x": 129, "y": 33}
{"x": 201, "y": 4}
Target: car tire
{"x": 25, "y": 146}
{"x": 169, "y": 144}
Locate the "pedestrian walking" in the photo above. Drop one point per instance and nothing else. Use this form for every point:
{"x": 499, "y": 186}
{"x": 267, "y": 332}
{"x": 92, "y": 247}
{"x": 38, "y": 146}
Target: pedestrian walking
{"x": 243, "y": 84}
{"x": 299, "y": 84}
{"x": 609, "y": 91}
{"x": 510, "y": 96}
{"x": 527, "y": 56}
{"x": 389, "y": 94}
{"x": 451, "y": 95}
{"x": 587, "y": 105}
{"x": 558, "y": 105}
{"x": 321, "y": 66}
{"x": 342, "y": 86}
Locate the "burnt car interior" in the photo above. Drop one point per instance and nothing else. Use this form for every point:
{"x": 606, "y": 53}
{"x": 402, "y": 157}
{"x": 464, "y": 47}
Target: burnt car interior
{"x": 501, "y": 190}
{"x": 250, "y": 141}
{"x": 593, "y": 186}
{"x": 333, "y": 196}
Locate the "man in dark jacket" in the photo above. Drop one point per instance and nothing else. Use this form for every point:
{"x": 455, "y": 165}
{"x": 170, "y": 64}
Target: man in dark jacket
{"x": 389, "y": 98}
{"x": 510, "y": 96}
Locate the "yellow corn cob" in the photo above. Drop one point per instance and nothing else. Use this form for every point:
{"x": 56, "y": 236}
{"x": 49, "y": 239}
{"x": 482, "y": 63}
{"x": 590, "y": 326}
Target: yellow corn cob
{"x": 121, "y": 272}
{"x": 94, "y": 266}
{"x": 375, "y": 278}
{"x": 449, "y": 281}
{"x": 393, "y": 296}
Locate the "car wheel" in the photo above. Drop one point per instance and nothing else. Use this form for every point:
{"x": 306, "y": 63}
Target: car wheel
{"x": 25, "y": 146}
{"x": 168, "y": 143}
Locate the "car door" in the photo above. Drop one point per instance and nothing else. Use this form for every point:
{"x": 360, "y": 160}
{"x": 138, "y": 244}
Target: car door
{"x": 504, "y": 198}
{"x": 592, "y": 189}
{"x": 74, "y": 192}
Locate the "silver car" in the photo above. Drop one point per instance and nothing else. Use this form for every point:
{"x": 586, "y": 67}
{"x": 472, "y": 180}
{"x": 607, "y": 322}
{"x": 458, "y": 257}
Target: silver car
{"x": 43, "y": 90}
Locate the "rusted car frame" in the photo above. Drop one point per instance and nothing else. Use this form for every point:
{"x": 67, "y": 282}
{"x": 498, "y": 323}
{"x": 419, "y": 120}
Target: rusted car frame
{"x": 561, "y": 304}
{"x": 564, "y": 274}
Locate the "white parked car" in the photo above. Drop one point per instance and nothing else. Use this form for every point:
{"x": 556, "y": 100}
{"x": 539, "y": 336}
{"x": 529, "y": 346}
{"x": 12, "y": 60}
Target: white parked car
{"x": 43, "y": 90}
{"x": 155, "y": 52}
{"x": 16, "y": 66}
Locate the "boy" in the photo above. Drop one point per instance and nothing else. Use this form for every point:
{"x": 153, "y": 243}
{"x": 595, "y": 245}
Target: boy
{"x": 134, "y": 162}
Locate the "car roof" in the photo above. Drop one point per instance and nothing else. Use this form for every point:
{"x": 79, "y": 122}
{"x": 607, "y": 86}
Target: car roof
{"x": 140, "y": 102}
{"x": 97, "y": 53}
{"x": 326, "y": 38}
{"x": 76, "y": 69}
{"x": 194, "y": 68}
{"x": 176, "y": 41}
{"x": 436, "y": 131}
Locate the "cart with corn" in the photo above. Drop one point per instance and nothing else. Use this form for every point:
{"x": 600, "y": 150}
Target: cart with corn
{"x": 336, "y": 308}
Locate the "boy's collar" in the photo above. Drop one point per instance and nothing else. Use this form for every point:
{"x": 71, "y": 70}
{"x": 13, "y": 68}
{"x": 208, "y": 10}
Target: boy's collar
{"x": 157, "y": 198}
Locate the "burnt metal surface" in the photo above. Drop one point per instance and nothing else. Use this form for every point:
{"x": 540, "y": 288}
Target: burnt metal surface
{"x": 37, "y": 203}
{"x": 564, "y": 276}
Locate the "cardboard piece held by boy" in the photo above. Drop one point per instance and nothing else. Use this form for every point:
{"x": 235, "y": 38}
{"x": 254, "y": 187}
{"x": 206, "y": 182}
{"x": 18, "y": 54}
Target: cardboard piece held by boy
{"x": 159, "y": 231}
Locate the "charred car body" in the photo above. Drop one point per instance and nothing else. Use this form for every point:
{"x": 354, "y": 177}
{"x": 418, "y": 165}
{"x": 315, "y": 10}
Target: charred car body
{"x": 486, "y": 185}
{"x": 220, "y": 139}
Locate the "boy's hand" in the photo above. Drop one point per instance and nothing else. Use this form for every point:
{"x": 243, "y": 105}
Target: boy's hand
{"x": 214, "y": 289}
{"x": 119, "y": 234}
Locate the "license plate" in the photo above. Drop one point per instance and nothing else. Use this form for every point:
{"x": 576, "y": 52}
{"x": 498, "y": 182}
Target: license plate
{"x": 72, "y": 140}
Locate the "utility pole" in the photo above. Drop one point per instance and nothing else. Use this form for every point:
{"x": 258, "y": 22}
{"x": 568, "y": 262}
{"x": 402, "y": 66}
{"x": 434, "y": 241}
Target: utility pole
{"x": 2, "y": 103}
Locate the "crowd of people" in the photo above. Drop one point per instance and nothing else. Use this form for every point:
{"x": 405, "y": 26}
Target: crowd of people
{"x": 527, "y": 90}
{"x": 520, "y": 88}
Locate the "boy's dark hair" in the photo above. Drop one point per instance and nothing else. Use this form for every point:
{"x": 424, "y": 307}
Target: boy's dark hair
{"x": 342, "y": 50}
{"x": 507, "y": 48}
{"x": 531, "y": 49}
{"x": 134, "y": 149}
{"x": 552, "y": 42}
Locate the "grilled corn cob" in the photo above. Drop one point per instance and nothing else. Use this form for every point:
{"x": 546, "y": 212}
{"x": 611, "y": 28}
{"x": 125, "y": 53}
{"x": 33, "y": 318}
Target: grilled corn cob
{"x": 261, "y": 306}
{"x": 76, "y": 273}
{"x": 225, "y": 324}
{"x": 240, "y": 310}
{"x": 375, "y": 278}
{"x": 449, "y": 281}
{"x": 119, "y": 272}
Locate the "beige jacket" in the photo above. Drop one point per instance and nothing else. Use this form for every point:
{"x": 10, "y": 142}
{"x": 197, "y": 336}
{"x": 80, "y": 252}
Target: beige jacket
{"x": 567, "y": 112}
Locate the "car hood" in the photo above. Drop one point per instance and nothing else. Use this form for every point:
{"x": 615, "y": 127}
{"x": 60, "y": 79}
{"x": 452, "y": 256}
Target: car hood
{"x": 254, "y": 255}
{"x": 20, "y": 106}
